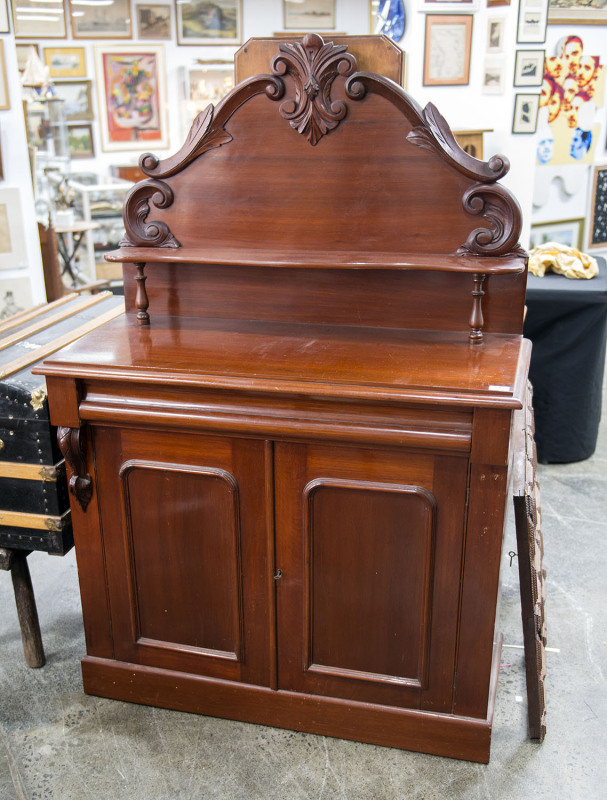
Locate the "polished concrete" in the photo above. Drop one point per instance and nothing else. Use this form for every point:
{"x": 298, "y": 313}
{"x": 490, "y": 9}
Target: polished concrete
{"x": 56, "y": 742}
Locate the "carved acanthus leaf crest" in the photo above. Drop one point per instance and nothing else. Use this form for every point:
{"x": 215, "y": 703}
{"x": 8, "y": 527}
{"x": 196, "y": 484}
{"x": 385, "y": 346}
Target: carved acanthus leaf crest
{"x": 140, "y": 232}
{"x": 313, "y": 65}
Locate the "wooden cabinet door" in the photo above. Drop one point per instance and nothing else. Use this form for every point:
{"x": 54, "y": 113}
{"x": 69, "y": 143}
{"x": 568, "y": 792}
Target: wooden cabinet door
{"x": 369, "y": 544}
{"x": 185, "y": 530}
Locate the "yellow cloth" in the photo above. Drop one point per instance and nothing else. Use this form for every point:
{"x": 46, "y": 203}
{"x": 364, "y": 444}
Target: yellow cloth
{"x": 563, "y": 260}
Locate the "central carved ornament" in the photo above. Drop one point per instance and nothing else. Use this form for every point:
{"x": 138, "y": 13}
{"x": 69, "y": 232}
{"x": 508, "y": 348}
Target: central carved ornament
{"x": 313, "y": 66}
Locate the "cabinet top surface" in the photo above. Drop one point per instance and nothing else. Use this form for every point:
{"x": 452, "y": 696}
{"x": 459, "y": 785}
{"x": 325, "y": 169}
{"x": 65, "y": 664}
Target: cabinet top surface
{"x": 303, "y": 359}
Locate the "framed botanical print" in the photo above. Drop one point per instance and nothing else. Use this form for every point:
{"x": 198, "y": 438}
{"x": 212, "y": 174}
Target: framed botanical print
{"x": 65, "y": 62}
{"x": 447, "y": 49}
{"x": 132, "y": 97}
{"x": 309, "y": 15}
{"x": 529, "y": 67}
{"x": 153, "y": 21}
{"x": 30, "y": 23}
{"x": 78, "y": 99}
{"x": 101, "y": 20}
{"x": 201, "y": 23}
{"x": 80, "y": 140}
{"x": 526, "y": 107}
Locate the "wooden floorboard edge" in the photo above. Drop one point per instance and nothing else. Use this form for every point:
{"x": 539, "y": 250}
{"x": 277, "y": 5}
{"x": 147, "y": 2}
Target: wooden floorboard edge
{"x": 421, "y": 731}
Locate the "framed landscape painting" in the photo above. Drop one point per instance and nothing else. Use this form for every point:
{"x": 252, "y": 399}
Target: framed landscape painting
{"x": 80, "y": 140}
{"x": 65, "y": 62}
{"x": 200, "y": 23}
{"x": 153, "y": 21}
{"x": 132, "y": 97}
{"x": 91, "y": 20}
{"x": 78, "y": 99}
{"x": 569, "y": 232}
{"x": 29, "y": 23}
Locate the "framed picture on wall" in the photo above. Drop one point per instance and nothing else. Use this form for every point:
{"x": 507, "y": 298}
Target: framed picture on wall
{"x": 65, "y": 62}
{"x": 29, "y": 23}
{"x": 78, "y": 99}
{"x": 200, "y": 23}
{"x": 566, "y": 231}
{"x": 80, "y": 140}
{"x": 532, "y": 21}
{"x": 13, "y": 250}
{"x": 101, "y": 20}
{"x": 132, "y": 97}
{"x": 447, "y": 49}
{"x": 526, "y": 107}
{"x": 308, "y": 15}
{"x": 153, "y": 21}
{"x": 5, "y": 100}
{"x": 494, "y": 75}
{"x": 4, "y": 26}
{"x": 576, "y": 12}
{"x": 24, "y": 50}
{"x": 529, "y": 67}
{"x": 496, "y": 28}
{"x": 445, "y": 6}
{"x": 597, "y": 233}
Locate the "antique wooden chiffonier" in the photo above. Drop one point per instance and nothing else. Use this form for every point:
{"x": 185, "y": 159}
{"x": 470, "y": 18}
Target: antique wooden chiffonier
{"x": 289, "y": 459}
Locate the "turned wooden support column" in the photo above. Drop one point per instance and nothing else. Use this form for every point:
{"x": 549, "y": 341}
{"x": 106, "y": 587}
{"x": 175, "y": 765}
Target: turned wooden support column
{"x": 15, "y": 561}
{"x": 141, "y": 298}
{"x": 476, "y": 317}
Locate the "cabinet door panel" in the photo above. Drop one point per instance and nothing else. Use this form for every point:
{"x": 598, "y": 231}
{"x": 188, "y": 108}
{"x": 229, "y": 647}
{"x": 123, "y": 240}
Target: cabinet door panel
{"x": 185, "y": 527}
{"x": 366, "y": 608}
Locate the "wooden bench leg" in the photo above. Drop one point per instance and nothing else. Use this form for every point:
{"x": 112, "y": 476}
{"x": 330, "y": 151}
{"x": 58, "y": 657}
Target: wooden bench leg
{"x": 16, "y": 562}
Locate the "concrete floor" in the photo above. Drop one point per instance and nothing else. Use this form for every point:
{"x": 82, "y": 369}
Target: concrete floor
{"x": 56, "y": 742}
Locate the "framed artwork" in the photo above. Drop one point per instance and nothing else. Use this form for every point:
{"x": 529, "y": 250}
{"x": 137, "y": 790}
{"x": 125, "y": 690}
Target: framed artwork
{"x": 80, "y": 140}
{"x": 526, "y": 107}
{"x": 15, "y": 296}
{"x": 309, "y": 15}
{"x": 529, "y": 67}
{"x": 447, "y": 6}
{"x": 207, "y": 83}
{"x": 447, "y": 49}
{"x": 576, "y": 12}
{"x": 132, "y": 97}
{"x": 597, "y": 235}
{"x": 4, "y": 26}
{"x": 23, "y": 53}
{"x": 5, "y": 100}
{"x": 78, "y": 99}
{"x": 65, "y": 62}
{"x": 569, "y": 232}
{"x": 13, "y": 252}
{"x": 492, "y": 3}
{"x": 388, "y": 17}
{"x": 495, "y": 34}
{"x": 29, "y": 23}
{"x": 101, "y": 20}
{"x": 153, "y": 21}
{"x": 532, "y": 21}
{"x": 200, "y": 23}
{"x": 494, "y": 75}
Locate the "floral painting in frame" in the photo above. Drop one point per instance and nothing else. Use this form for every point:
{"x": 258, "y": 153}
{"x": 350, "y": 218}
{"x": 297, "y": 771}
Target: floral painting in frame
{"x": 132, "y": 97}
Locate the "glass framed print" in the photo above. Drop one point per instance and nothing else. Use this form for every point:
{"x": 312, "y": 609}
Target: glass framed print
{"x": 153, "y": 21}
{"x": 5, "y": 99}
{"x": 532, "y": 21}
{"x": 65, "y": 62}
{"x": 309, "y": 15}
{"x": 132, "y": 97}
{"x": 13, "y": 248}
{"x": 4, "y": 26}
{"x": 526, "y": 107}
{"x": 80, "y": 140}
{"x": 577, "y": 12}
{"x": 529, "y": 67}
{"x": 597, "y": 235}
{"x": 92, "y": 20}
{"x": 200, "y": 23}
{"x": 30, "y": 22}
{"x": 447, "y": 49}
{"x": 77, "y": 97}
{"x": 569, "y": 232}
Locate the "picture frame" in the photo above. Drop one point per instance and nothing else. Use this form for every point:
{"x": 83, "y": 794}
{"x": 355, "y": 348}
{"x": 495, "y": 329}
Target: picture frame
{"x": 569, "y": 232}
{"x": 526, "y": 108}
{"x": 65, "y": 62}
{"x": 4, "y": 24}
{"x": 15, "y": 296}
{"x": 133, "y": 111}
{"x": 308, "y": 15}
{"x": 496, "y": 28}
{"x": 575, "y": 12}
{"x": 532, "y": 21}
{"x": 78, "y": 97}
{"x": 202, "y": 23}
{"x": 597, "y": 228}
{"x": 448, "y": 6}
{"x": 5, "y": 98}
{"x": 448, "y": 43}
{"x": 80, "y": 140}
{"x": 154, "y": 21}
{"x": 206, "y": 83}
{"x": 23, "y": 50}
{"x": 28, "y": 25}
{"x": 494, "y": 75}
{"x": 529, "y": 67}
{"x": 107, "y": 21}
{"x": 13, "y": 249}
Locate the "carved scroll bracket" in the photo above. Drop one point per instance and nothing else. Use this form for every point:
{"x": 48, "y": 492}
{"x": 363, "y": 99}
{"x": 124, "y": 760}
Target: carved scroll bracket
{"x": 503, "y": 215}
{"x": 313, "y": 65}
{"x": 72, "y": 443}
{"x": 140, "y": 232}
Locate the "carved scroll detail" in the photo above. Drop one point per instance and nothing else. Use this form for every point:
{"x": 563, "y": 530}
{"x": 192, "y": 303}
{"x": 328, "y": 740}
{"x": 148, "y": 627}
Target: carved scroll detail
{"x": 503, "y": 214}
{"x": 72, "y": 443}
{"x": 313, "y": 65}
{"x": 140, "y": 232}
